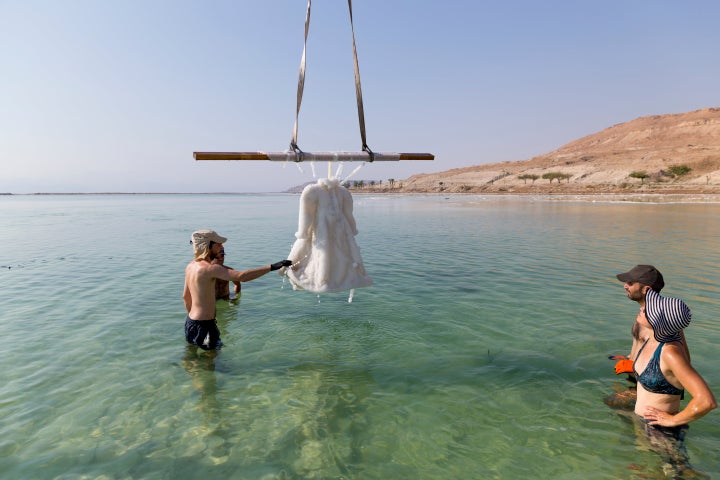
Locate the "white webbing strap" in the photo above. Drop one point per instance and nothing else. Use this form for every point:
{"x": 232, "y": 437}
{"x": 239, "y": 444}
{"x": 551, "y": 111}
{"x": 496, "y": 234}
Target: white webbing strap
{"x": 358, "y": 90}
{"x": 301, "y": 87}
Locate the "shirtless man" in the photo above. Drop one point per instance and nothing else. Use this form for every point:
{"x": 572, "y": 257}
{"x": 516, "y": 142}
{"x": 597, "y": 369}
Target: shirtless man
{"x": 625, "y": 399}
{"x": 663, "y": 370}
{"x": 199, "y": 291}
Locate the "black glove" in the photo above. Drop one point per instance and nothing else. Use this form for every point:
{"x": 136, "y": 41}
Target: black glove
{"x": 279, "y": 265}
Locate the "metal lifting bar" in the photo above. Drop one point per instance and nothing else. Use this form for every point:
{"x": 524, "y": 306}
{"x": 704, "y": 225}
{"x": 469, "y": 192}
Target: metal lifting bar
{"x": 292, "y": 156}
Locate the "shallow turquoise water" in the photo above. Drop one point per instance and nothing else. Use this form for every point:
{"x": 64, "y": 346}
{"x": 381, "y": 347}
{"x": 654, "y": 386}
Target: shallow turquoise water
{"x": 480, "y": 351}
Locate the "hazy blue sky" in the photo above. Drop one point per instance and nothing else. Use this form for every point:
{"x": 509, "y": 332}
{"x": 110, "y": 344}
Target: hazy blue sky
{"x": 101, "y": 95}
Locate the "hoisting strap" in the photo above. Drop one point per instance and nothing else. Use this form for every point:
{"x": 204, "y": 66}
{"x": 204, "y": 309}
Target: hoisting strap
{"x": 301, "y": 87}
{"x": 358, "y": 90}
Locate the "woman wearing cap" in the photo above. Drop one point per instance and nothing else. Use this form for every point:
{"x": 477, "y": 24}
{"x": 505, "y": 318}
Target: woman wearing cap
{"x": 662, "y": 367}
{"x": 663, "y": 372}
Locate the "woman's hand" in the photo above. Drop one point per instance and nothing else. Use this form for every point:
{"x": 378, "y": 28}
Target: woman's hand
{"x": 658, "y": 417}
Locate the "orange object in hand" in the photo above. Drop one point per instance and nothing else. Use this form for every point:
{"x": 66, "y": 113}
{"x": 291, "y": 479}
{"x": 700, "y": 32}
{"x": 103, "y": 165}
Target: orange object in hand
{"x": 623, "y": 366}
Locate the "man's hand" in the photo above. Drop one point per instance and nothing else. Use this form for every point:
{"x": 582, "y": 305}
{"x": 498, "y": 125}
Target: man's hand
{"x": 623, "y": 366}
{"x": 279, "y": 265}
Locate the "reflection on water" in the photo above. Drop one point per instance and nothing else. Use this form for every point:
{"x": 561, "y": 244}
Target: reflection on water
{"x": 200, "y": 365}
{"x": 320, "y": 428}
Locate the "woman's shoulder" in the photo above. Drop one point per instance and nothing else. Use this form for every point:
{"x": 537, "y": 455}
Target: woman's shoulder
{"x": 674, "y": 352}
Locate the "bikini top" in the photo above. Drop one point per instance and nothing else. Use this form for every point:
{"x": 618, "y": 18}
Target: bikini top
{"x": 652, "y": 378}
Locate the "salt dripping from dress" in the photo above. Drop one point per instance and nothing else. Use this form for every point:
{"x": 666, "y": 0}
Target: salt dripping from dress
{"x": 325, "y": 256}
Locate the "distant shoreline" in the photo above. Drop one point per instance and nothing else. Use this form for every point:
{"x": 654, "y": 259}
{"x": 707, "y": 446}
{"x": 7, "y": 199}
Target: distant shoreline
{"x": 635, "y": 197}
{"x": 583, "y": 197}
{"x": 40, "y": 194}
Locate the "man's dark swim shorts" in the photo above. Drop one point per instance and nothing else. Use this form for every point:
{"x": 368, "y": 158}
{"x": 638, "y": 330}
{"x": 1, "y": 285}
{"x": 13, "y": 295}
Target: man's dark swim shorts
{"x": 203, "y": 333}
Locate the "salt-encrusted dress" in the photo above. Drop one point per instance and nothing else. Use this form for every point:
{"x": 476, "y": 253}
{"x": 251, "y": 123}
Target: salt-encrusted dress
{"x": 325, "y": 256}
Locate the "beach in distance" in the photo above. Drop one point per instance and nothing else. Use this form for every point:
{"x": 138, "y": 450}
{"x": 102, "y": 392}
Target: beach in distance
{"x": 484, "y": 339}
{"x": 616, "y": 196}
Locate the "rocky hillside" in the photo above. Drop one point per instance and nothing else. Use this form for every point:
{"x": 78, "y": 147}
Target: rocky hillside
{"x": 675, "y": 153}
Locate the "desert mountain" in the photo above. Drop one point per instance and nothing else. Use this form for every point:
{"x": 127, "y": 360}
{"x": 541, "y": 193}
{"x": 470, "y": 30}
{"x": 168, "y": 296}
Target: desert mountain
{"x": 660, "y": 153}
